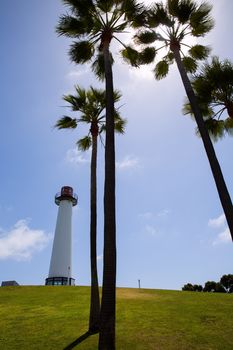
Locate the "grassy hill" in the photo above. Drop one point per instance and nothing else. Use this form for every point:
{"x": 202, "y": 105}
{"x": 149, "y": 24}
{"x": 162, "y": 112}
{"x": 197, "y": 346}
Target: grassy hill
{"x": 53, "y": 317}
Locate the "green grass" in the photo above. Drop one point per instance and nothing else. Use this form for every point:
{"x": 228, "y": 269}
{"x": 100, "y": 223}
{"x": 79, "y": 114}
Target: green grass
{"x": 52, "y": 317}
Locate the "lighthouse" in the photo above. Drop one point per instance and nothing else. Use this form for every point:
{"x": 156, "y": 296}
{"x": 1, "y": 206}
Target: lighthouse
{"x": 60, "y": 270}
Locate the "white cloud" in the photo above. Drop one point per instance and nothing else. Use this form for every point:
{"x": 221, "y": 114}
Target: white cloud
{"x": 217, "y": 222}
{"x": 147, "y": 215}
{"x": 163, "y": 213}
{"x": 150, "y": 230}
{"x": 21, "y": 242}
{"x": 128, "y": 162}
{"x": 223, "y": 237}
{"x": 75, "y": 156}
{"x": 7, "y": 208}
{"x": 76, "y": 73}
{"x": 220, "y": 223}
{"x": 142, "y": 73}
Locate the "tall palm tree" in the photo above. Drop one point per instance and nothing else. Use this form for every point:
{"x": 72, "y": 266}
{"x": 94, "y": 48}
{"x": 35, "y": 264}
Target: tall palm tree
{"x": 213, "y": 86}
{"x": 94, "y": 24}
{"x": 176, "y": 21}
{"x": 91, "y": 104}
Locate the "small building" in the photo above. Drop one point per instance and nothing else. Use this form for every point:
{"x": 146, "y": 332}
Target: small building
{"x": 9, "y": 283}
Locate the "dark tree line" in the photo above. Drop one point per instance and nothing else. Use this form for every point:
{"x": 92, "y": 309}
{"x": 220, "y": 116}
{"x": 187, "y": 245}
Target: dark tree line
{"x": 225, "y": 285}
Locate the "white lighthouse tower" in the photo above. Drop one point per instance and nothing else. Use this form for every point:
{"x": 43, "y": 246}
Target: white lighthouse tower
{"x": 60, "y": 272}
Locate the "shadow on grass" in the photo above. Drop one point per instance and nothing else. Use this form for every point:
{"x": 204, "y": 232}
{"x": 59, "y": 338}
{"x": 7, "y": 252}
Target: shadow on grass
{"x": 78, "y": 340}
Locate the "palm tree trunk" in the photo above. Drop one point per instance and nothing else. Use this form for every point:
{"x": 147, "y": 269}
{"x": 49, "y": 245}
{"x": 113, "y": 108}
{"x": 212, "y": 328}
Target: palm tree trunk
{"x": 94, "y": 318}
{"x": 214, "y": 164}
{"x": 108, "y": 303}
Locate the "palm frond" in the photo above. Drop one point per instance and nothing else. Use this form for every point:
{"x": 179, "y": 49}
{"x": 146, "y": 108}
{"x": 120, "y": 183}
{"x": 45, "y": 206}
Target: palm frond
{"x": 190, "y": 64}
{"x": 187, "y": 109}
{"x": 139, "y": 20}
{"x": 87, "y": 116}
{"x": 105, "y": 5}
{"x": 201, "y": 21}
{"x": 158, "y": 15}
{"x": 206, "y": 111}
{"x": 181, "y": 9}
{"x": 120, "y": 27}
{"x": 102, "y": 129}
{"x": 117, "y": 95}
{"x": 201, "y": 88}
{"x": 214, "y": 84}
{"x": 81, "y": 95}
{"x": 145, "y": 37}
{"x": 66, "y": 123}
{"x": 70, "y": 26}
{"x": 98, "y": 65}
{"x": 131, "y": 56}
{"x": 97, "y": 96}
{"x": 218, "y": 73}
{"x": 119, "y": 125}
{"x": 84, "y": 144}
{"x": 133, "y": 11}
{"x": 80, "y": 7}
{"x": 228, "y": 124}
{"x": 199, "y": 52}
{"x": 78, "y": 102}
{"x": 161, "y": 70}
{"x": 97, "y": 27}
{"x": 215, "y": 128}
{"x": 147, "y": 55}
{"x": 81, "y": 52}
{"x": 173, "y": 7}
{"x": 169, "y": 58}
{"x": 213, "y": 87}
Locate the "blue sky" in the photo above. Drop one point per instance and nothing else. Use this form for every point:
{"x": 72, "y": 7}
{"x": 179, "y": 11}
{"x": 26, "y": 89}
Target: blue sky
{"x": 170, "y": 224}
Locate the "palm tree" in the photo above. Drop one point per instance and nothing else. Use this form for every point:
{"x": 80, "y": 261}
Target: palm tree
{"x": 177, "y": 20}
{"x": 93, "y": 24}
{"x": 213, "y": 87}
{"x": 91, "y": 105}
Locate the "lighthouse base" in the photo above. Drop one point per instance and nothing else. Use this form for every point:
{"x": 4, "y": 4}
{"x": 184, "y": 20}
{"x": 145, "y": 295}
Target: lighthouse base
{"x": 59, "y": 281}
